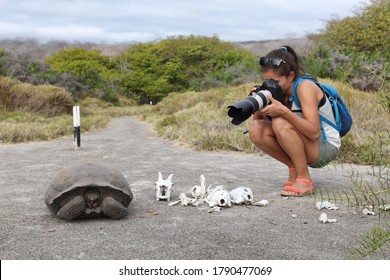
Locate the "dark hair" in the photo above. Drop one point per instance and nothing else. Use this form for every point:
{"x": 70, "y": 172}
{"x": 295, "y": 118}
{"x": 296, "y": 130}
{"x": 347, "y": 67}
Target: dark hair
{"x": 287, "y": 54}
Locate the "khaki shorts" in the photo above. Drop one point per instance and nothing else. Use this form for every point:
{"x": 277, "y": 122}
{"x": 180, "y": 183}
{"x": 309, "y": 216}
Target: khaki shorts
{"x": 328, "y": 152}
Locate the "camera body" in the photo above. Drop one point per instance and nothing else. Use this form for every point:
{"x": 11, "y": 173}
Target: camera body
{"x": 257, "y": 100}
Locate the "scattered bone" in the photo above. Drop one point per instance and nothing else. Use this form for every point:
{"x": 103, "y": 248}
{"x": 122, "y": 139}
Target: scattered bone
{"x": 241, "y": 195}
{"x": 368, "y": 210}
{"x": 324, "y": 219}
{"x": 164, "y": 187}
{"x": 261, "y": 203}
{"x": 214, "y": 209}
{"x": 385, "y": 207}
{"x": 326, "y": 204}
{"x": 198, "y": 201}
{"x": 199, "y": 191}
{"x": 294, "y": 216}
{"x": 218, "y": 196}
{"x": 173, "y": 203}
{"x": 185, "y": 201}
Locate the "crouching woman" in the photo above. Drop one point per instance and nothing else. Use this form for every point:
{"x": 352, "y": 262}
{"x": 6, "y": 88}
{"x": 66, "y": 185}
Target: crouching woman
{"x": 294, "y": 135}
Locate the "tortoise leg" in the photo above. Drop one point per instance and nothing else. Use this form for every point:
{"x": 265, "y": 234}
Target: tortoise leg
{"x": 113, "y": 208}
{"x": 74, "y": 208}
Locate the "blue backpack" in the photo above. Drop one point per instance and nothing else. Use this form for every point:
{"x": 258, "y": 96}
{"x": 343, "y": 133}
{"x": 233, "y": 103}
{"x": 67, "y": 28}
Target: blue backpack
{"x": 341, "y": 114}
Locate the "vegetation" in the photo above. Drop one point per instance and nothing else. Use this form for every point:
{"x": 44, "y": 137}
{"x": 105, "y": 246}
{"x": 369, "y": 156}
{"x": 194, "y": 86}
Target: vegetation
{"x": 182, "y": 63}
{"x": 91, "y": 72}
{"x": 367, "y": 32}
{"x": 143, "y": 72}
{"x": 356, "y": 50}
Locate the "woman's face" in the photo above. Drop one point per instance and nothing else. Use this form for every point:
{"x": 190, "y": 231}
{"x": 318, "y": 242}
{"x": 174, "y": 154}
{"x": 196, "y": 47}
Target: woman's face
{"x": 284, "y": 82}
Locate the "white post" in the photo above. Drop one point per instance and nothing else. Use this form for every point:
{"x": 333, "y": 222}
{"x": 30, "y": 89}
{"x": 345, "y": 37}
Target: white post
{"x": 76, "y": 126}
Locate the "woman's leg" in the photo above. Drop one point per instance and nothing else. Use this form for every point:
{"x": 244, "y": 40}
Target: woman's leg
{"x": 300, "y": 149}
{"x": 263, "y": 136}
{"x": 280, "y": 140}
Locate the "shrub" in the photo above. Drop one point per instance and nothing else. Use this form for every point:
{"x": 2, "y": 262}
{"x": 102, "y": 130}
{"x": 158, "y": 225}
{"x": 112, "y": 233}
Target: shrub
{"x": 47, "y": 100}
{"x": 182, "y": 63}
{"x": 355, "y": 49}
{"x": 367, "y": 32}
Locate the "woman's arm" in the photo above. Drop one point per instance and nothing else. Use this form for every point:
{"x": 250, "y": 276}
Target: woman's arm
{"x": 309, "y": 125}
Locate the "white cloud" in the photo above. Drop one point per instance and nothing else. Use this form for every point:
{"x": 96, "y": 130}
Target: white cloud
{"x": 146, "y": 20}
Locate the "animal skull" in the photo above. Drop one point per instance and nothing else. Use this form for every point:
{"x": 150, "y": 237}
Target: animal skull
{"x": 164, "y": 187}
{"x": 241, "y": 195}
{"x": 218, "y": 196}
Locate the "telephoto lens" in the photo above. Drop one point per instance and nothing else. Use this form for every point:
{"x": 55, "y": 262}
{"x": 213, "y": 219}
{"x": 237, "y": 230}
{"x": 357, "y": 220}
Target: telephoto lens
{"x": 243, "y": 109}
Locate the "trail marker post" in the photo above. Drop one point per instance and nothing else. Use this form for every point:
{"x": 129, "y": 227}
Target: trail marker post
{"x": 76, "y": 126}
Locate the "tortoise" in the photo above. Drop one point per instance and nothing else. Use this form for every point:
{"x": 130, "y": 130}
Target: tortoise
{"x": 88, "y": 190}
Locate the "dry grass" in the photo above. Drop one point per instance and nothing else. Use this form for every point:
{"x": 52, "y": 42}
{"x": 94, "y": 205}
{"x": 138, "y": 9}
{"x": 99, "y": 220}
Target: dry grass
{"x": 200, "y": 120}
{"x": 43, "y": 99}
{"x": 19, "y": 127}
{"x": 368, "y": 142}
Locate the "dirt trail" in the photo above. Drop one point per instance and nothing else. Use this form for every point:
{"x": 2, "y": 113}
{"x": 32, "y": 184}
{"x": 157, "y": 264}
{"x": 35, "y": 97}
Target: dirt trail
{"x": 286, "y": 229}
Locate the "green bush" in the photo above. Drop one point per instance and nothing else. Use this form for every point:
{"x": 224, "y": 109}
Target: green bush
{"x": 367, "y": 32}
{"x": 89, "y": 71}
{"x": 182, "y": 63}
{"x": 355, "y": 49}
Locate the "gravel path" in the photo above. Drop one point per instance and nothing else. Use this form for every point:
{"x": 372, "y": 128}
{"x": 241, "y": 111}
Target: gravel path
{"x": 286, "y": 229}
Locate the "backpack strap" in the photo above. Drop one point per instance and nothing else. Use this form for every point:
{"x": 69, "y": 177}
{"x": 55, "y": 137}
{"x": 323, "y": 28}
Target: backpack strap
{"x": 297, "y": 82}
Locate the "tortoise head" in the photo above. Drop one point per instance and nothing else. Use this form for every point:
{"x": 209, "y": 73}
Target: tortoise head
{"x": 92, "y": 198}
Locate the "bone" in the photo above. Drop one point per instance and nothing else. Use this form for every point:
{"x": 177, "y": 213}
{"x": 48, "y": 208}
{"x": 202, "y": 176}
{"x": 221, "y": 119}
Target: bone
{"x": 385, "y": 207}
{"x": 261, "y": 203}
{"x": 215, "y": 209}
{"x": 173, "y": 203}
{"x": 326, "y": 204}
{"x": 241, "y": 195}
{"x": 185, "y": 201}
{"x": 368, "y": 210}
{"x": 199, "y": 191}
{"x": 218, "y": 196}
{"x": 324, "y": 219}
{"x": 164, "y": 188}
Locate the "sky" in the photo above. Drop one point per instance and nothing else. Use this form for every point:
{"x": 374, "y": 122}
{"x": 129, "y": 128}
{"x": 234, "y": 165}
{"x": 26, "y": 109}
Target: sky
{"x": 124, "y": 21}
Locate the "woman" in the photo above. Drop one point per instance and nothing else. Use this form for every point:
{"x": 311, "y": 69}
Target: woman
{"x": 294, "y": 136}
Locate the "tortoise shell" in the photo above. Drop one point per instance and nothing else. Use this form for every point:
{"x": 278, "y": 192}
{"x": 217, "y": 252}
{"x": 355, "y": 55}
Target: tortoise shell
{"x": 83, "y": 176}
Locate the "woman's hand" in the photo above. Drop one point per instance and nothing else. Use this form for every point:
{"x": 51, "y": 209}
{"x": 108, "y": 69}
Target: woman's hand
{"x": 275, "y": 109}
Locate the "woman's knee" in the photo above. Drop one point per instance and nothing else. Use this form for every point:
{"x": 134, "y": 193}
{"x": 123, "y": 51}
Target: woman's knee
{"x": 281, "y": 125}
{"x": 258, "y": 129}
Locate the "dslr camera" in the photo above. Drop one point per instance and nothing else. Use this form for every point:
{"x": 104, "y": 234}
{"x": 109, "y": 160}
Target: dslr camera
{"x": 257, "y": 100}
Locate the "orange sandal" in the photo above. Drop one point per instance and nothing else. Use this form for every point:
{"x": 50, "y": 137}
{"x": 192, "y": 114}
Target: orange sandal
{"x": 291, "y": 191}
{"x": 288, "y": 183}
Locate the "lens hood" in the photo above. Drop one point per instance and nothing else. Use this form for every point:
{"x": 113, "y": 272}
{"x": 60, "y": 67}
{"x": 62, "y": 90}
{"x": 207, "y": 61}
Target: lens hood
{"x": 242, "y": 110}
